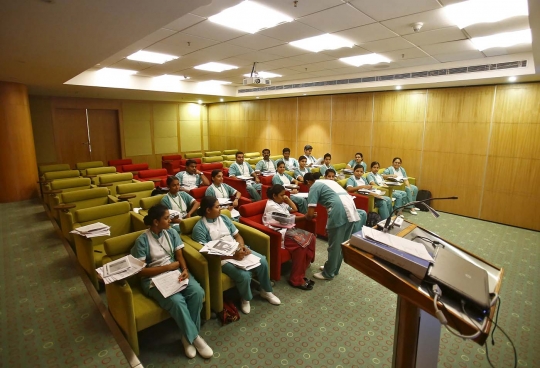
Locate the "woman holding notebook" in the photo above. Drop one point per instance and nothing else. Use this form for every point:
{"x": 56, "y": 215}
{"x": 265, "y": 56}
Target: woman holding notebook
{"x": 161, "y": 249}
{"x": 215, "y": 226}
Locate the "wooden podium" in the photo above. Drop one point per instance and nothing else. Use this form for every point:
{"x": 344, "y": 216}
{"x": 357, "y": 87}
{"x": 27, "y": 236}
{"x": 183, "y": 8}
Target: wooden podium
{"x": 417, "y": 331}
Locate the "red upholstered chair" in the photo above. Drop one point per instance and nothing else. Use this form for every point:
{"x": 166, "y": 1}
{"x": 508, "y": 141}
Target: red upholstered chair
{"x": 251, "y": 215}
{"x": 120, "y": 163}
{"x": 198, "y": 193}
{"x": 171, "y": 163}
{"x": 239, "y": 185}
{"x": 134, "y": 169}
{"x": 183, "y": 164}
{"x": 266, "y": 180}
{"x": 152, "y": 175}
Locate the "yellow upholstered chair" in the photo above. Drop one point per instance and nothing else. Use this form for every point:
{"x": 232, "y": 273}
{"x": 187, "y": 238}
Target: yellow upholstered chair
{"x": 276, "y": 157}
{"x": 146, "y": 203}
{"x": 371, "y": 199}
{"x": 210, "y": 159}
{"x": 253, "y": 155}
{"x": 133, "y": 193}
{"x": 49, "y": 176}
{"x": 229, "y": 151}
{"x": 94, "y": 172}
{"x": 42, "y": 169}
{"x": 193, "y": 155}
{"x": 131, "y": 309}
{"x": 111, "y": 181}
{"x": 228, "y": 163}
{"x": 212, "y": 153}
{"x": 83, "y": 166}
{"x": 339, "y": 166}
{"x": 53, "y": 189}
{"x": 219, "y": 282}
{"x": 90, "y": 252}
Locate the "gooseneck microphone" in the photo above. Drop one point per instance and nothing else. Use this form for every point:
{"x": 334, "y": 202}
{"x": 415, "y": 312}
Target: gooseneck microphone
{"x": 387, "y": 225}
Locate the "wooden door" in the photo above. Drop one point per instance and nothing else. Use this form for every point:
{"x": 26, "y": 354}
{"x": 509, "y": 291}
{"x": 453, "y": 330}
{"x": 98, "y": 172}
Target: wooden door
{"x": 104, "y": 135}
{"x": 71, "y": 135}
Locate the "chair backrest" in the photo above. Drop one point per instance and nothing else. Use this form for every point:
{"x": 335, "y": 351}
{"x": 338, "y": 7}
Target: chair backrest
{"x": 254, "y": 210}
{"x": 148, "y": 202}
{"x": 101, "y": 170}
{"x": 212, "y": 166}
{"x": 171, "y": 157}
{"x": 50, "y": 168}
{"x": 153, "y": 173}
{"x": 193, "y": 155}
{"x": 212, "y": 159}
{"x": 198, "y": 193}
{"x": 141, "y": 190}
{"x": 254, "y": 160}
{"x": 85, "y": 198}
{"x": 339, "y": 166}
{"x": 53, "y": 175}
{"x": 122, "y": 178}
{"x": 228, "y": 157}
{"x": 228, "y": 164}
{"x": 71, "y": 184}
{"x": 266, "y": 180}
{"x": 229, "y": 152}
{"x": 88, "y": 165}
{"x": 212, "y": 153}
{"x": 115, "y": 215}
{"x": 276, "y": 157}
{"x": 252, "y": 154}
{"x": 119, "y": 163}
{"x": 343, "y": 182}
{"x": 120, "y": 246}
{"x": 135, "y": 167}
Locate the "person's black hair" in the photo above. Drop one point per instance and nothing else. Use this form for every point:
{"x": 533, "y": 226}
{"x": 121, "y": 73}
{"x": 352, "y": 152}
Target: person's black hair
{"x": 190, "y": 162}
{"x": 397, "y": 158}
{"x": 206, "y": 203}
{"x": 308, "y": 147}
{"x": 280, "y": 163}
{"x": 238, "y": 153}
{"x": 358, "y": 167}
{"x": 170, "y": 180}
{"x": 312, "y": 176}
{"x": 155, "y": 212}
{"x": 286, "y": 150}
{"x": 327, "y": 155}
{"x": 266, "y": 149}
{"x": 375, "y": 163}
{"x": 302, "y": 158}
{"x": 274, "y": 190}
{"x": 215, "y": 172}
{"x": 329, "y": 171}
{"x": 359, "y": 153}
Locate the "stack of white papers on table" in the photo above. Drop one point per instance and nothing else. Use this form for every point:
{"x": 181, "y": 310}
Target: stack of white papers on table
{"x": 249, "y": 262}
{"x": 168, "y": 283}
{"x": 368, "y": 191}
{"x": 244, "y": 177}
{"x": 404, "y": 245}
{"x": 268, "y": 173}
{"x": 220, "y": 247}
{"x": 224, "y": 201}
{"x": 301, "y": 195}
{"x": 235, "y": 213}
{"x": 392, "y": 183}
{"x": 173, "y": 214}
{"x": 291, "y": 186}
{"x": 92, "y": 230}
{"x": 120, "y": 269}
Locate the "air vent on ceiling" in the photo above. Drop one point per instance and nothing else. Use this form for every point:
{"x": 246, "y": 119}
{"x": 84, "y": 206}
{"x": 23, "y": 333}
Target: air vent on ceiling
{"x": 380, "y": 78}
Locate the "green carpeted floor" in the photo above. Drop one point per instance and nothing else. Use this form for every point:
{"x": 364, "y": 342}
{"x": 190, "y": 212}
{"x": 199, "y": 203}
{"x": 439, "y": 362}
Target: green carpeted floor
{"x": 48, "y": 319}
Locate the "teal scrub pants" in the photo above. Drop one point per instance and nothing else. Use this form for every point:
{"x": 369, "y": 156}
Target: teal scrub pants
{"x": 336, "y": 236}
{"x": 253, "y": 190}
{"x": 385, "y": 207}
{"x": 242, "y": 278}
{"x": 411, "y": 193}
{"x": 184, "y": 307}
{"x": 400, "y": 196}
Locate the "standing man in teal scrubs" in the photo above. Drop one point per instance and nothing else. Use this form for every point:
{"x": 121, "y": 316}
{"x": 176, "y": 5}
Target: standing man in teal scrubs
{"x": 343, "y": 219}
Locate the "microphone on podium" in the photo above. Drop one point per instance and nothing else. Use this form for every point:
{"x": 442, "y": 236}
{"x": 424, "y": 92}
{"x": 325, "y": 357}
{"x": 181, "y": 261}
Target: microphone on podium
{"x": 388, "y": 226}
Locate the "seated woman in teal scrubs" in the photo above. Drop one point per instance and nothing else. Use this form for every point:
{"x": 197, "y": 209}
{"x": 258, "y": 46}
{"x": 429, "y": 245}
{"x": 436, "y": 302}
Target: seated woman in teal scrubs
{"x": 161, "y": 249}
{"x": 214, "y": 226}
{"x": 302, "y": 169}
{"x": 358, "y": 160}
{"x": 219, "y": 189}
{"x": 357, "y": 182}
{"x": 283, "y": 178}
{"x": 179, "y": 201}
{"x": 374, "y": 178}
{"x": 326, "y": 164}
{"x": 396, "y": 171}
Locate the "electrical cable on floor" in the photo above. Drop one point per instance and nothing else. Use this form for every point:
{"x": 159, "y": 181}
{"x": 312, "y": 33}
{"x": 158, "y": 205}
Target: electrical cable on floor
{"x": 505, "y": 334}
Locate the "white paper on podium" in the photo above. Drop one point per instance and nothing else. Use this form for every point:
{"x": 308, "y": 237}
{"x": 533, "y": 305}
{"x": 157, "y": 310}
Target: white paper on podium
{"x": 404, "y": 245}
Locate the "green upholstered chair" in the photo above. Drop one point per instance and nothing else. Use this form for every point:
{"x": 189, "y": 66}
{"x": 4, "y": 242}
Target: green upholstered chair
{"x": 111, "y": 181}
{"x": 391, "y": 188}
{"x": 53, "y": 189}
{"x": 133, "y": 192}
{"x": 83, "y": 166}
{"x": 78, "y": 200}
{"x": 210, "y": 159}
{"x": 229, "y": 157}
{"x": 49, "y": 176}
{"x": 90, "y": 251}
{"x": 93, "y": 172}
{"x": 212, "y": 153}
{"x": 146, "y": 203}
{"x": 253, "y": 160}
{"x": 228, "y": 163}
{"x": 339, "y": 166}
{"x": 371, "y": 199}
{"x": 193, "y": 155}
{"x": 219, "y": 282}
{"x": 252, "y": 155}
{"x": 131, "y": 309}
{"x": 229, "y": 152}
{"x": 42, "y": 169}
{"x": 276, "y": 157}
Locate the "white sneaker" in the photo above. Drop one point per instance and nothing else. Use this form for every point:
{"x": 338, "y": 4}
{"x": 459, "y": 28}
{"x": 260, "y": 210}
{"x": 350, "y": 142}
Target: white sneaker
{"x": 202, "y": 347}
{"x": 272, "y": 299}
{"x": 321, "y": 268}
{"x": 416, "y": 209}
{"x": 188, "y": 348}
{"x": 413, "y": 212}
{"x": 245, "y": 307}
{"x": 320, "y": 276}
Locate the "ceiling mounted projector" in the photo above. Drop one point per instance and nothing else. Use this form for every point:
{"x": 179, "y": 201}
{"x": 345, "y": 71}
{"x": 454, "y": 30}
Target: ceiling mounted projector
{"x": 256, "y": 81}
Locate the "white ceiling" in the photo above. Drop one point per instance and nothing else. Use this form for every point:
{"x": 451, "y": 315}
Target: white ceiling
{"x": 381, "y": 26}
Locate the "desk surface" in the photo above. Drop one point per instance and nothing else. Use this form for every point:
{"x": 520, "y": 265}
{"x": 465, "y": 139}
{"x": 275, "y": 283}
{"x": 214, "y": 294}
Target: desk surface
{"x": 416, "y": 292}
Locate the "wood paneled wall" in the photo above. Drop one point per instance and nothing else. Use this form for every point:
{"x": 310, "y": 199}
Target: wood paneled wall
{"x": 479, "y": 143}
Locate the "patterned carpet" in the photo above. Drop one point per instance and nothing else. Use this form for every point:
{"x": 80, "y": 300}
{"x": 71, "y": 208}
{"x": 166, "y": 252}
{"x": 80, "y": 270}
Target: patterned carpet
{"x": 347, "y": 322}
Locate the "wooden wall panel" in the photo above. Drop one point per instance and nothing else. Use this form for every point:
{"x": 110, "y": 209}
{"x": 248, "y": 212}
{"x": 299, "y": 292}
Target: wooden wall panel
{"x": 43, "y": 129}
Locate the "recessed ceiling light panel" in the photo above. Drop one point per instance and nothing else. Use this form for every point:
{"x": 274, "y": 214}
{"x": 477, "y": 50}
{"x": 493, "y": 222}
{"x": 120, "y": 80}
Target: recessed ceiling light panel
{"x": 471, "y": 12}
{"x": 116, "y": 71}
{"x": 151, "y": 57}
{"x": 323, "y": 42}
{"x": 250, "y": 17}
{"x": 505, "y": 39}
{"x": 365, "y": 59}
{"x": 170, "y": 78}
{"x": 266, "y": 75}
{"x": 215, "y": 67}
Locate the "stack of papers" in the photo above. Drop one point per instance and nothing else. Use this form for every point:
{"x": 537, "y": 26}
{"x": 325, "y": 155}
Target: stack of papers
{"x": 92, "y": 230}
{"x": 220, "y": 247}
{"x": 268, "y": 173}
{"x": 370, "y": 191}
{"x": 235, "y": 213}
{"x": 168, "y": 283}
{"x": 401, "y": 244}
{"x": 249, "y": 262}
{"x": 120, "y": 269}
{"x": 173, "y": 214}
{"x": 291, "y": 186}
{"x": 224, "y": 201}
{"x": 300, "y": 195}
{"x": 245, "y": 177}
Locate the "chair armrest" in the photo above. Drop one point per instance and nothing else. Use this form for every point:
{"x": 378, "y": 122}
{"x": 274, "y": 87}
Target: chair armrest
{"x": 89, "y": 176}
{"x": 113, "y": 199}
{"x": 52, "y": 192}
{"x": 134, "y": 172}
{"x": 64, "y": 207}
{"x": 105, "y": 185}
{"x": 198, "y": 267}
{"x": 256, "y": 239}
{"x": 125, "y": 197}
{"x": 137, "y": 222}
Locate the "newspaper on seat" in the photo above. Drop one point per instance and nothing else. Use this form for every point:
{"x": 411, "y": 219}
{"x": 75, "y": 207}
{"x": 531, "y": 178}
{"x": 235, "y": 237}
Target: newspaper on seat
{"x": 220, "y": 247}
{"x": 120, "y": 269}
{"x": 93, "y": 230}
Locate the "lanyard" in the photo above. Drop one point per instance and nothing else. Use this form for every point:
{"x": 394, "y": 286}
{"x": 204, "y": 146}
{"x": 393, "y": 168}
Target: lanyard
{"x": 171, "y": 254}
{"x": 241, "y": 168}
{"x": 177, "y": 203}
{"x": 220, "y": 190}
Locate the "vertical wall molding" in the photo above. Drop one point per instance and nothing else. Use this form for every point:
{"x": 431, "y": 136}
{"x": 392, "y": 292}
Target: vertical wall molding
{"x": 423, "y": 138}
{"x": 487, "y": 153}
{"x": 372, "y": 126}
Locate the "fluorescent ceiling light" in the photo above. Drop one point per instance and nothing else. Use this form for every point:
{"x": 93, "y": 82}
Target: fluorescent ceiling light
{"x": 512, "y": 79}
{"x": 151, "y": 57}
{"x": 263, "y": 75}
{"x": 484, "y": 11}
{"x": 506, "y": 39}
{"x": 220, "y": 100}
{"x": 199, "y": 102}
{"x": 170, "y": 78}
{"x": 398, "y": 87}
{"x": 117, "y": 72}
{"x": 215, "y": 82}
{"x": 365, "y": 59}
{"x": 250, "y": 17}
{"x": 322, "y": 42}
{"x": 215, "y": 67}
